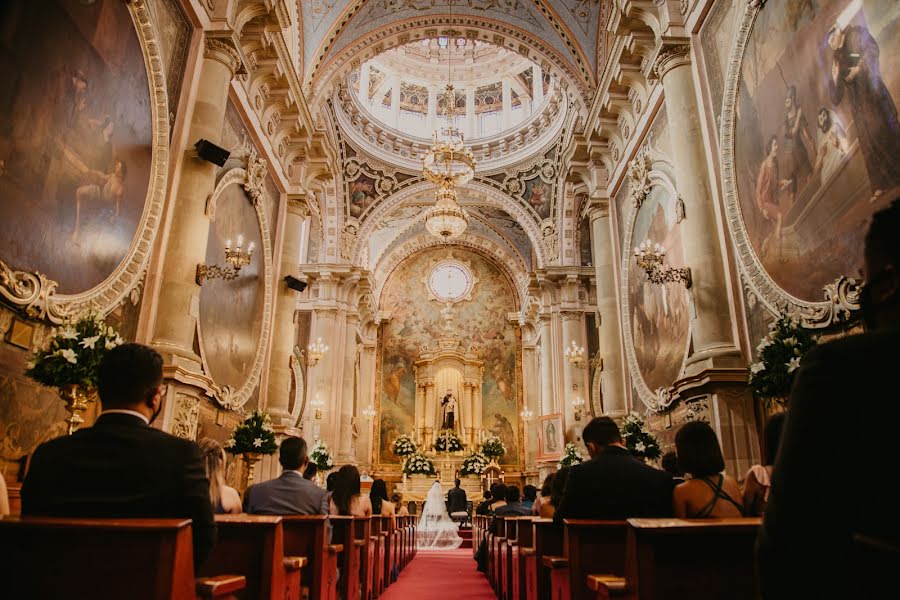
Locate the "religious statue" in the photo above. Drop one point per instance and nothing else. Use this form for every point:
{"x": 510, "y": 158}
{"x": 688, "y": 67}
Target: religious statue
{"x": 448, "y": 410}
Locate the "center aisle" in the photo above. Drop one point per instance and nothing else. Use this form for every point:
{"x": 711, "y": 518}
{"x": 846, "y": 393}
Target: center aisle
{"x": 436, "y": 575}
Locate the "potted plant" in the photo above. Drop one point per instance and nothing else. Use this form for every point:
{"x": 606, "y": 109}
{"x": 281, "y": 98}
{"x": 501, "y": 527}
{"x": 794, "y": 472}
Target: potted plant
{"x": 779, "y": 357}
{"x": 321, "y": 456}
{"x": 448, "y": 441}
{"x": 474, "y": 464}
{"x": 492, "y": 447}
{"x": 404, "y": 445}
{"x": 639, "y": 440}
{"x": 571, "y": 456}
{"x": 71, "y": 362}
{"x": 253, "y": 438}
{"x": 418, "y": 464}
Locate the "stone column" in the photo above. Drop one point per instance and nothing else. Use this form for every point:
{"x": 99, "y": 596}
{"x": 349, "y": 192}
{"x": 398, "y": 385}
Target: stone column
{"x": 470, "y": 112}
{"x": 548, "y": 405}
{"x": 612, "y": 376}
{"x": 478, "y": 411}
{"x": 712, "y": 331}
{"x": 364, "y": 84}
{"x": 420, "y": 408}
{"x": 537, "y": 85}
{"x": 430, "y": 406}
{"x": 365, "y": 448}
{"x": 280, "y": 373}
{"x": 432, "y": 108}
{"x": 573, "y": 379}
{"x": 345, "y": 439}
{"x": 507, "y": 102}
{"x": 179, "y": 295}
{"x": 321, "y": 376}
{"x": 530, "y": 385}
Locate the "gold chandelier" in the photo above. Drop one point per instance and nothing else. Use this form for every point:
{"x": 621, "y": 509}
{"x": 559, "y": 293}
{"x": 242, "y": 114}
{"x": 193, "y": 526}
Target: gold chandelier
{"x": 446, "y": 219}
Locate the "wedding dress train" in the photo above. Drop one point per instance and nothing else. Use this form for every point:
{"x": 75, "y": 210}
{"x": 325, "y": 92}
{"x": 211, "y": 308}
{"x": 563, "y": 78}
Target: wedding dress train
{"x": 436, "y": 531}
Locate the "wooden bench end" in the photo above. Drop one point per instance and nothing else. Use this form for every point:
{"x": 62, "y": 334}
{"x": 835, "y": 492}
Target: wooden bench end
{"x": 606, "y": 586}
{"x": 295, "y": 563}
{"x": 220, "y": 585}
{"x": 556, "y": 562}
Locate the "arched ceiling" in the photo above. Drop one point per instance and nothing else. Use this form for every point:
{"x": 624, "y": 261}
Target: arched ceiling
{"x": 566, "y": 29}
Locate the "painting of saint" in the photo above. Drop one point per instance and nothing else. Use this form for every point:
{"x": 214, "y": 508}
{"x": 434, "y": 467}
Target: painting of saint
{"x": 537, "y": 195}
{"x": 75, "y": 139}
{"x": 808, "y": 182}
{"x": 362, "y": 195}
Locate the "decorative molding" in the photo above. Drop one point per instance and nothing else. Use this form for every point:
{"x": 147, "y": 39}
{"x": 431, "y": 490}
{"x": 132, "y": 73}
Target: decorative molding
{"x": 550, "y": 239}
{"x": 639, "y": 174}
{"x": 225, "y": 50}
{"x": 34, "y": 293}
{"x": 348, "y": 238}
{"x": 186, "y": 416}
{"x": 841, "y": 296}
{"x": 297, "y": 206}
{"x": 252, "y": 179}
{"x": 672, "y": 57}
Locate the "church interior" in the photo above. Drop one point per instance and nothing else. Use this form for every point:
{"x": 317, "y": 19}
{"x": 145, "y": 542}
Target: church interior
{"x": 439, "y": 241}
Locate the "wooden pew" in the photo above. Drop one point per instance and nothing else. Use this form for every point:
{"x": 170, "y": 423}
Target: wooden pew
{"x": 139, "y": 559}
{"x": 547, "y": 541}
{"x": 376, "y": 540}
{"x": 309, "y": 536}
{"x": 524, "y": 542}
{"x": 696, "y": 559}
{"x": 509, "y": 556}
{"x": 591, "y": 547}
{"x": 344, "y": 533}
{"x": 496, "y": 537}
{"x": 363, "y": 538}
{"x": 253, "y": 546}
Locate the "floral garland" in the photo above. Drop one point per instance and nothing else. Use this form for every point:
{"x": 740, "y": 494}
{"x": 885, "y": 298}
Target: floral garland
{"x": 418, "y": 463}
{"x": 639, "y": 440}
{"x": 492, "y": 447}
{"x": 571, "y": 456}
{"x": 474, "y": 464}
{"x": 321, "y": 456}
{"x": 779, "y": 357}
{"x": 404, "y": 445}
{"x": 254, "y": 434}
{"x": 74, "y": 353}
{"x": 448, "y": 441}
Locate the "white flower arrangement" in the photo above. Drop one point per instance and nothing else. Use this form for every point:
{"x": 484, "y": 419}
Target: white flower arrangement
{"x": 404, "y": 445}
{"x": 321, "y": 456}
{"x": 492, "y": 447}
{"x": 639, "y": 440}
{"x": 448, "y": 440}
{"x": 779, "y": 354}
{"x": 474, "y": 464}
{"x": 254, "y": 434}
{"x": 418, "y": 463}
{"x": 571, "y": 456}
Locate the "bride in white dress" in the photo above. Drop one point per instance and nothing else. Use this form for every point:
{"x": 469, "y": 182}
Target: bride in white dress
{"x": 436, "y": 531}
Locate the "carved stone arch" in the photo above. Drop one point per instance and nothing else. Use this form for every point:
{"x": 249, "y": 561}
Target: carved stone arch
{"x": 487, "y": 195}
{"x": 322, "y": 75}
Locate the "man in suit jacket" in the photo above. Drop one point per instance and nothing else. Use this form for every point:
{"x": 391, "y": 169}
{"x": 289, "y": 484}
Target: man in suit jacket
{"x": 456, "y": 499}
{"x": 291, "y": 493}
{"x": 832, "y": 528}
{"x": 121, "y": 467}
{"x": 613, "y": 484}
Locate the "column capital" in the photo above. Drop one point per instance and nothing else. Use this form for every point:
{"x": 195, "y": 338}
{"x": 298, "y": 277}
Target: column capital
{"x": 225, "y": 49}
{"x": 671, "y": 57}
{"x": 296, "y": 205}
{"x": 598, "y": 210}
{"x": 570, "y": 315}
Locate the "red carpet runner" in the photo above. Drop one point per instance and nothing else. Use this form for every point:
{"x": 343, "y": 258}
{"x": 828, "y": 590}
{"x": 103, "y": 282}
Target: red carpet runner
{"x": 435, "y": 575}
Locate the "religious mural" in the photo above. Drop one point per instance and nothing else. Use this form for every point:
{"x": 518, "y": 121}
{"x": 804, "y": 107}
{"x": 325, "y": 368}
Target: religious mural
{"x": 817, "y": 135}
{"x": 75, "y": 138}
{"x": 538, "y": 195}
{"x": 362, "y": 194}
{"x": 417, "y": 321}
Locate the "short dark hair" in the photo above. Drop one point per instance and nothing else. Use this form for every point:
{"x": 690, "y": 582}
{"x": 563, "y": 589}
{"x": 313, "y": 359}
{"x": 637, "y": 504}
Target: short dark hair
{"x": 128, "y": 374}
{"x": 310, "y": 471}
{"x": 559, "y": 486}
{"x": 293, "y": 453}
{"x": 602, "y": 431}
{"x": 329, "y": 481}
{"x": 512, "y": 493}
{"x": 772, "y": 434}
{"x": 547, "y": 487}
{"x": 457, "y": 482}
{"x": 669, "y": 463}
{"x": 500, "y": 492}
{"x": 698, "y": 449}
{"x": 529, "y": 492}
{"x": 882, "y": 241}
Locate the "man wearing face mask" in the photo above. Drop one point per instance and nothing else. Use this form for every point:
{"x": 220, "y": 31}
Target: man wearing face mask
{"x": 831, "y": 529}
{"x": 121, "y": 467}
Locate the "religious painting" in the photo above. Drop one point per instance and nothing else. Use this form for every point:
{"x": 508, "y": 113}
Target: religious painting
{"x": 816, "y": 136}
{"x": 550, "y": 437}
{"x": 658, "y": 313}
{"x": 417, "y": 324}
{"x": 363, "y": 192}
{"x": 538, "y": 195}
{"x": 75, "y": 138}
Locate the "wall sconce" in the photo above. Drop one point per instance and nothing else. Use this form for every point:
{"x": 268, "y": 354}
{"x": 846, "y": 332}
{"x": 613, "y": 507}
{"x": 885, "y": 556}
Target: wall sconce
{"x": 318, "y": 404}
{"x": 526, "y": 414}
{"x": 578, "y": 403}
{"x": 650, "y": 257}
{"x": 369, "y": 412}
{"x": 315, "y": 352}
{"x": 575, "y": 354}
{"x": 236, "y": 258}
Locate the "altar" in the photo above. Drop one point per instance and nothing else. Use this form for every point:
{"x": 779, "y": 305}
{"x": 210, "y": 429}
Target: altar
{"x": 416, "y": 487}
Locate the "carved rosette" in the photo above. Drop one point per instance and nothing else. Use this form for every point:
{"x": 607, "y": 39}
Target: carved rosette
{"x": 841, "y": 298}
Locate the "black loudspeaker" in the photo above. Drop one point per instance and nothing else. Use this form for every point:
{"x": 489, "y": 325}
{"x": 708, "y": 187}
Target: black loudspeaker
{"x": 294, "y": 283}
{"x": 212, "y": 153}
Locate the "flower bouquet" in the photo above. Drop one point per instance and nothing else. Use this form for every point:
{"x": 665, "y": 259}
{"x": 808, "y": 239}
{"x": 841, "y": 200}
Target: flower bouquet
{"x": 404, "y": 445}
{"x": 321, "y": 456}
{"x": 418, "y": 463}
{"x": 492, "y": 447}
{"x": 254, "y": 435}
{"x": 571, "y": 456}
{"x": 779, "y": 357}
{"x": 71, "y": 362}
{"x": 639, "y": 440}
{"x": 473, "y": 464}
{"x": 448, "y": 441}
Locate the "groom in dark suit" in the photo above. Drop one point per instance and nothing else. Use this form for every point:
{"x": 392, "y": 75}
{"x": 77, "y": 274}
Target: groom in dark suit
{"x": 122, "y": 467}
{"x": 456, "y": 499}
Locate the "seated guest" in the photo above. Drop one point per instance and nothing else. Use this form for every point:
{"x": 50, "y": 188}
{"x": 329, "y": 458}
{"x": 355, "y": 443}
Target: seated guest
{"x": 224, "y": 498}
{"x": 485, "y": 506}
{"x": 121, "y": 467}
{"x": 759, "y": 477}
{"x": 544, "y": 498}
{"x": 513, "y": 506}
{"x": 329, "y": 482}
{"x": 847, "y": 539}
{"x": 548, "y": 509}
{"x": 498, "y": 495}
{"x": 346, "y": 498}
{"x": 289, "y": 494}
{"x": 708, "y": 493}
{"x": 379, "y": 499}
{"x": 309, "y": 473}
{"x": 529, "y": 495}
{"x": 397, "y": 499}
{"x": 669, "y": 463}
{"x": 613, "y": 484}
